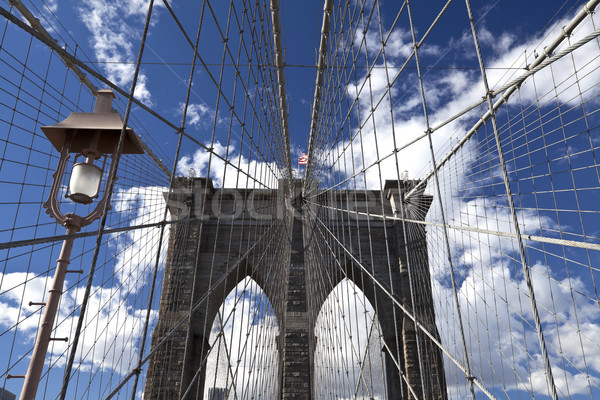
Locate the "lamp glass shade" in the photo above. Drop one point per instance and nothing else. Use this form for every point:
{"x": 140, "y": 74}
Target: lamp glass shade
{"x": 84, "y": 183}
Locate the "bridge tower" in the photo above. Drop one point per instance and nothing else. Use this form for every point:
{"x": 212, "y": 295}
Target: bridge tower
{"x": 201, "y": 269}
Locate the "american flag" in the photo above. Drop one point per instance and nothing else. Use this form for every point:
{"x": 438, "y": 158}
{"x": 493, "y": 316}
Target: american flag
{"x": 303, "y": 159}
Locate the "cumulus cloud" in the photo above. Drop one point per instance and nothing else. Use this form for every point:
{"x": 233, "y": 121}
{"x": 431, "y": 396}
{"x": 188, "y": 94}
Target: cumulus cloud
{"x": 117, "y": 326}
{"x": 572, "y": 79}
{"x": 199, "y": 114}
{"x": 238, "y": 172}
{"x": 495, "y": 301}
{"x": 486, "y": 214}
{"x": 114, "y": 320}
{"x": 398, "y": 43}
{"x": 244, "y": 350}
{"x": 136, "y": 249}
{"x": 244, "y": 345}
{"x": 348, "y": 353}
{"x": 492, "y": 291}
{"x": 52, "y": 5}
{"x": 114, "y": 40}
{"x": 498, "y": 321}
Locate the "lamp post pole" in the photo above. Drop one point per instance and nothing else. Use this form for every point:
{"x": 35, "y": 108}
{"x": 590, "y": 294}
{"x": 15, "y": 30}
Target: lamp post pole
{"x": 36, "y": 365}
{"x": 92, "y": 136}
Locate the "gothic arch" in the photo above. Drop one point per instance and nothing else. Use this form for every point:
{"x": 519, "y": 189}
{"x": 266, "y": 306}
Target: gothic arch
{"x": 360, "y": 355}
{"x": 389, "y": 316}
{"x": 234, "y": 276}
{"x": 231, "y": 367}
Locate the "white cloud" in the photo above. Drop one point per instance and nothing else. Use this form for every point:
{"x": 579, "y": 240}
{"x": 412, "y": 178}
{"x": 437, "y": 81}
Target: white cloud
{"x": 113, "y": 39}
{"x": 348, "y": 352}
{"x": 398, "y": 46}
{"x": 52, "y": 5}
{"x": 244, "y": 349}
{"x": 499, "y": 44}
{"x": 447, "y": 94}
{"x": 497, "y": 313}
{"x": 575, "y": 344}
{"x": 112, "y": 326}
{"x": 491, "y": 287}
{"x": 17, "y": 286}
{"x": 567, "y": 384}
{"x": 199, "y": 114}
{"x": 113, "y": 323}
{"x": 486, "y": 214}
{"x": 136, "y": 249}
{"x": 495, "y": 305}
{"x": 562, "y": 81}
{"x": 238, "y": 173}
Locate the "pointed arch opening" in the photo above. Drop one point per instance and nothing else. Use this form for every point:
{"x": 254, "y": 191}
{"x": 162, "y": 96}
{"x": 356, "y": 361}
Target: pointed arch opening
{"x": 348, "y": 358}
{"x": 244, "y": 360}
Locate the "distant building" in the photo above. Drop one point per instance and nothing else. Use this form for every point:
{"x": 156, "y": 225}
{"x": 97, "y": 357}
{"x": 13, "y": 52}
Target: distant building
{"x": 6, "y": 395}
{"x": 216, "y": 394}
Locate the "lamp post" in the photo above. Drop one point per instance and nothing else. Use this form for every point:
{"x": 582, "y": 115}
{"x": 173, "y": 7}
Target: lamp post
{"x": 91, "y": 136}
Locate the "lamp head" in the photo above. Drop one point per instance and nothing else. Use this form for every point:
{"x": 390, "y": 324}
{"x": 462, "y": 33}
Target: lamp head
{"x": 90, "y": 136}
{"x": 102, "y": 126}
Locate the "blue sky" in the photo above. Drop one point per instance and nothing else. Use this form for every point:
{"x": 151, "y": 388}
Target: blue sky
{"x": 106, "y": 36}
{"x": 164, "y": 86}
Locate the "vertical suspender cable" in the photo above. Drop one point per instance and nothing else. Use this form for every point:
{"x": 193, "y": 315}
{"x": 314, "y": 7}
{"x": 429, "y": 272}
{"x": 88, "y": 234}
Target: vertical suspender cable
{"x": 515, "y": 221}
{"x": 165, "y": 213}
{"x": 109, "y": 189}
{"x": 281, "y": 83}
{"x": 588, "y": 8}
{"x": 461, "y": 328}
{"x": 321, "y": 65}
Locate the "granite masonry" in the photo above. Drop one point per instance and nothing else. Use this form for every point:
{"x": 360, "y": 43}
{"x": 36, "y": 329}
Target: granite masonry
{"x": 284, "y": 239}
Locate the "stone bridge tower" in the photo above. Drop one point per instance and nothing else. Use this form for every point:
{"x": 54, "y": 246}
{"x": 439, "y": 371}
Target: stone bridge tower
{"x": 202, "y": 269}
